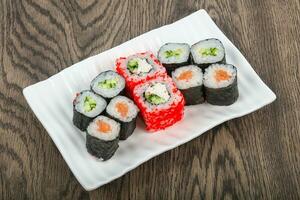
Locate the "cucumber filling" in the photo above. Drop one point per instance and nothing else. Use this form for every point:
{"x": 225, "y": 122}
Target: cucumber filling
{"x": 108, "y": 84}
{"x": 89, "y": 104}
{"x": 157, "y": 94}
{"x": 173, "y": 53}
{"x": 138, "y": 66}
{"x": 209, "y": 51}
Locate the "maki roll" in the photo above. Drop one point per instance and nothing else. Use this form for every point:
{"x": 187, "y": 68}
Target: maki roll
{"x": 174, "y": 55}
{"x": 124, "y": 111}
{"x": 161, "y": 104}
{"x": 207, "y": 52}
{"x": 108, "y": 84}
{"x": 220, "y": 84}
{"x": 139, "y": 68}
{"x": 86, "y": 106}
{"x": 188, "y": 80}
{"x": 102, "y": 137}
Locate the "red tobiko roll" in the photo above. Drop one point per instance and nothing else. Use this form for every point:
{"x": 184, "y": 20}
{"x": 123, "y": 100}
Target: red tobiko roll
{"x": 139, "y": 68}
{"x": 161, "y": 104}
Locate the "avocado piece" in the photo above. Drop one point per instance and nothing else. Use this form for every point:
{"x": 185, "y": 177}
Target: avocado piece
{"x": 171, "y": 53}
{"x": 89, "y": 104}
{"x": 209, "y": 51}
{"x": 154, "y": 99}
{"x": 132, "y": 65}
{"x": 108, "y": 84}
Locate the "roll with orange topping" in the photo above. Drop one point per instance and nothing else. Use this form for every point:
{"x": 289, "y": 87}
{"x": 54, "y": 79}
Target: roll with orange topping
{"x": 102, "y": 137}
{"x": 220, "y": 84}
{"x": 124, "y": 111}
{"x": 188, "y": 80}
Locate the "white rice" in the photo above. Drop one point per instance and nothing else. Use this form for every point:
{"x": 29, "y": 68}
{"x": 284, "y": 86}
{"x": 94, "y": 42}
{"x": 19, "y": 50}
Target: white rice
{"x": 209, "y": 79}
{"x": 132, "y": 111}
{"x": 206, "y": 44}
{"x": 183, "y": 57}
{"x": 79, "y": 104}
{"x": 105, "y": 92}
{"x": 196, "y": 80}
{"x": 92, "y": 129}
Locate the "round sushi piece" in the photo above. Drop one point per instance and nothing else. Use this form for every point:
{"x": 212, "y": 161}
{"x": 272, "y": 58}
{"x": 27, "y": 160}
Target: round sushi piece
{"x": 86, "y": 106}
{"x": 220, "y": 84}
{"x": 139, "y": 68}
{"x": 207, "y": 52}
{"x": 102, "y": 137}
{"x": 174, "y": 55}
{"x": 108, "y": 84}
{"x": 161, "y": 104}
{"x": 188, "y": 80}
{"x": 124, "y": 111}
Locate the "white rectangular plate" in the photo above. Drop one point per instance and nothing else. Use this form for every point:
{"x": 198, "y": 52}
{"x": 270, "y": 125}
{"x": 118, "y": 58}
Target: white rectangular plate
{"x": 51, "y": 101}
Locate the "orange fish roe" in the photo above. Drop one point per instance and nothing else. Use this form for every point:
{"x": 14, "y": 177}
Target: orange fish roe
{"x": 187, "y": 75}
{"x": 122, "y": 108}
{"x": 103, "y": 126}
{"x": 222, "y": 75}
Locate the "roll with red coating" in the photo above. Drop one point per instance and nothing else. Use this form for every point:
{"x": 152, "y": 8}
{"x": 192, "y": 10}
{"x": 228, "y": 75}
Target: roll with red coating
{"x": 161, "y": 104}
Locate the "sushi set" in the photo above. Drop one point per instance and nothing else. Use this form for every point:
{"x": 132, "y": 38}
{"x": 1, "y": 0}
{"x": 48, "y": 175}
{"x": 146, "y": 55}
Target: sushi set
{"x": 159, "y": 97}
{"x": 114, "y": 111}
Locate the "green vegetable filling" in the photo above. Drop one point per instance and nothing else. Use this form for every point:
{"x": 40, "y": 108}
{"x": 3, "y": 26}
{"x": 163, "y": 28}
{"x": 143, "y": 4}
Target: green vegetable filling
{"x": 108, "y": 84}
{"x": 132, "y": 65}
{"x": 209, "y": 51}
{"x": 154, "y": 99}
{"x": 173, "y": 53}
{"x": 89, "y": 104}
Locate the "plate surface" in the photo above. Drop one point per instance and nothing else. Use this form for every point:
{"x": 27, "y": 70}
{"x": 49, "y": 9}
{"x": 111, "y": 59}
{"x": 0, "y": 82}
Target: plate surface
{"x": 51, "y": 101}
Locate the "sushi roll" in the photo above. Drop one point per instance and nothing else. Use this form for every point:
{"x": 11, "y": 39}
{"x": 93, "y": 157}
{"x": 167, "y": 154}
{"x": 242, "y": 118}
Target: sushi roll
{"x": 102, "y": 137}
{"x": 86, "y": 106}
{"x": 108, "y": 84}
{"x": 188, "y": 80}
{"x": 139, "y": 68}
{"x": 161, "y": 104}
{"x": 220, "y": 84}
{"x": 174, "y": 55}
{"x": 124, "y": 111}
{"x": 207, "y": 52}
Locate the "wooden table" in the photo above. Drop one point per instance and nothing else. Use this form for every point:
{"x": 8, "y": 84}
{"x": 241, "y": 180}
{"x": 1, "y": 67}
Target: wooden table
{"x": 253, "y": 157}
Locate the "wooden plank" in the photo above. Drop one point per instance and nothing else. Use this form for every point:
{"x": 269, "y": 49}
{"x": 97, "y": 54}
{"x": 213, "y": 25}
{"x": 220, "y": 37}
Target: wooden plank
{"x": 254, "y": 157}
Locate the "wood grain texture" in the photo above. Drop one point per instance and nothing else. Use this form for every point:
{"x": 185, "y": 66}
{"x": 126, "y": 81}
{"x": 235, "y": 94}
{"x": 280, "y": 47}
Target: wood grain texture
{"x": 253, "y": 157}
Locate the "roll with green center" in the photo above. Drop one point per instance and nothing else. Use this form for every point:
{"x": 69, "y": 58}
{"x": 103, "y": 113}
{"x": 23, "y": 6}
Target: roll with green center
{"x": 86, "y": 106}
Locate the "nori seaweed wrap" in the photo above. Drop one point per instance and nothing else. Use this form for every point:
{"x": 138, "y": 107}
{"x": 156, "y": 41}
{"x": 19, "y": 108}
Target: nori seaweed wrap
{"x": 207, "y": 52}
{"x": 174, "y": 55}
{"x": 124, "y": 111}
{"x": 108, "y": 84}
{"x": 86, "y": 106}
{"x": 220, "y": 84}
{"x": 188, "y": 80}
{"x": 102, "y": 137}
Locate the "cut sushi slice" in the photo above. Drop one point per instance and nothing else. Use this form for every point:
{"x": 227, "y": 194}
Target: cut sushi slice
{"x": 86, "y": 106}
{"x": 108, "y": 84}
{"x": 161, "y": 104}
{"x": 174, "y": 55}
{"x": 124, "y": 111}
{"x": 188, "y": 80}
{"x": 139, "y": 68}
{"x": 207, "y": 52}
{"x": 102, "y": 137}
{"x": 220, "y": 84}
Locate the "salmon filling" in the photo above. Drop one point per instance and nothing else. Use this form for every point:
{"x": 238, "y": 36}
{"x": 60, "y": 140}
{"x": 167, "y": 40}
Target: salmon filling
{"x": 222, "y": 75}
{"x": 103, "y": 126}
{"x": 122, "y": 108}
{"x": 187, "y": 75}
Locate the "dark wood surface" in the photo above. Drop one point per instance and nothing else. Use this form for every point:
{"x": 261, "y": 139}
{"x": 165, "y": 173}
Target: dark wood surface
{"x": 253, "y": 157}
